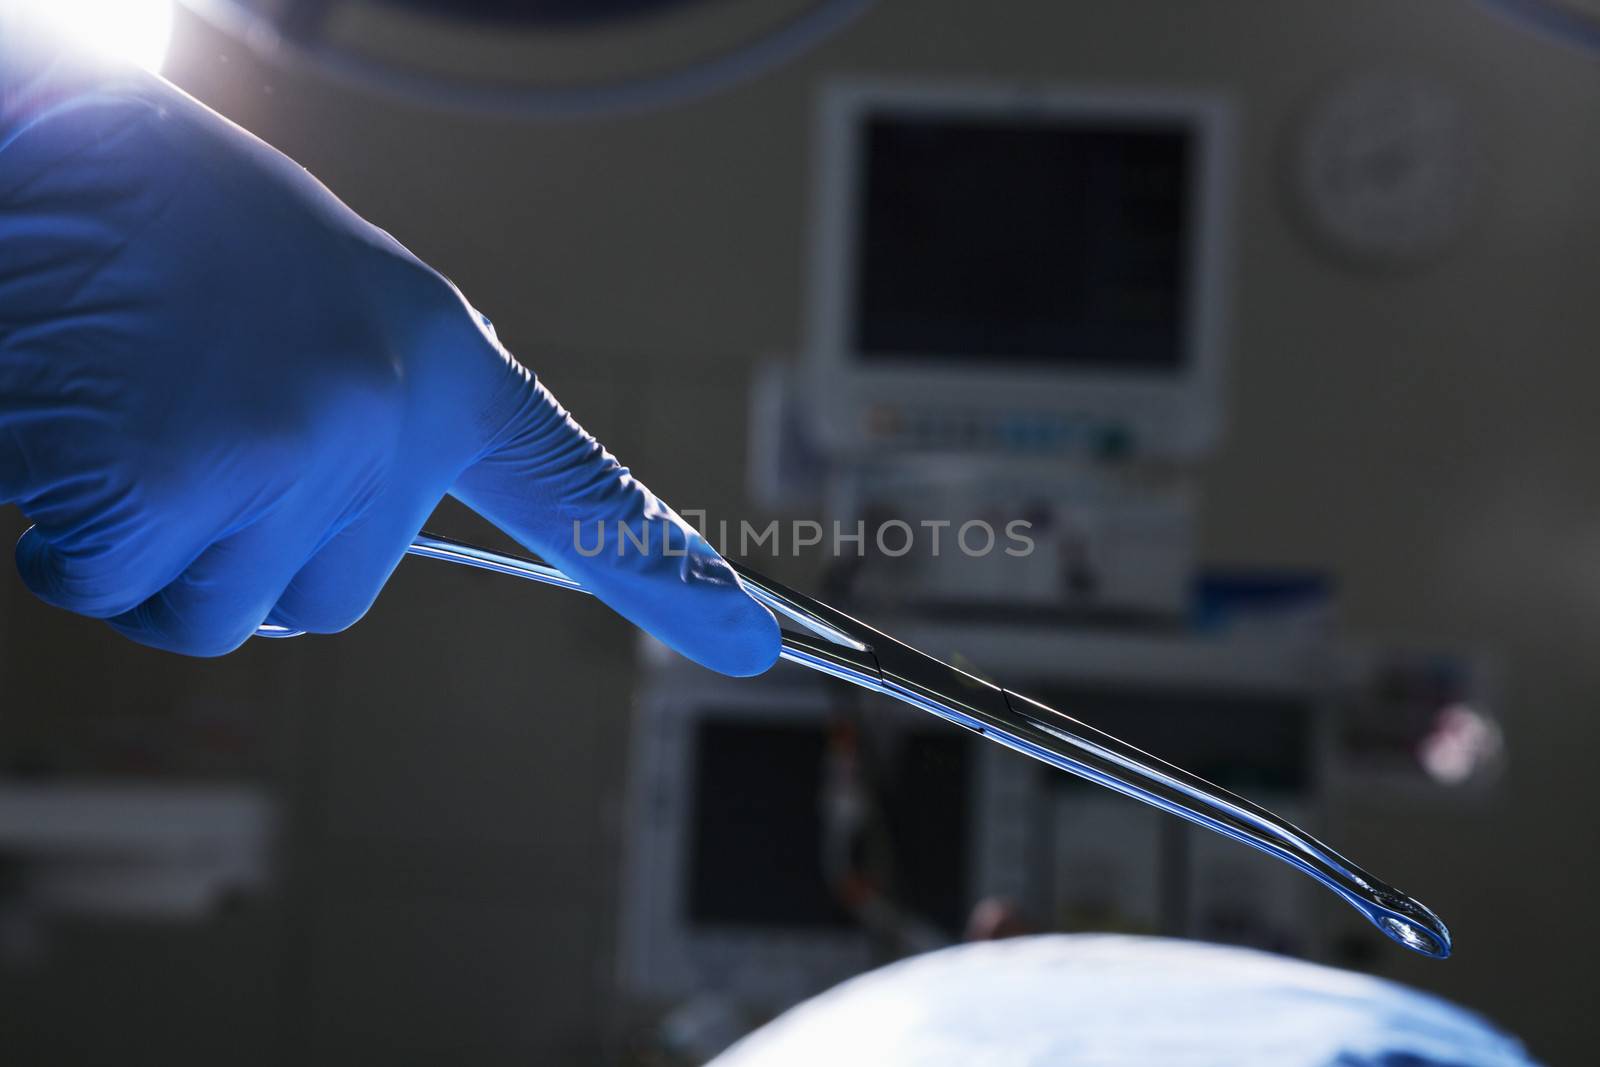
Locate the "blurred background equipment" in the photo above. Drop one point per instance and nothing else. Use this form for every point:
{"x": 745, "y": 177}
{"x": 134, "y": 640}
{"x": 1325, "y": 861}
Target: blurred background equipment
{"x": 737, "y": 805}
{"x": 106, "y": 850}
{"x": 1018, "y": 310}
{"x": 1019, "y": 270}
{"x": 745, "y": 832}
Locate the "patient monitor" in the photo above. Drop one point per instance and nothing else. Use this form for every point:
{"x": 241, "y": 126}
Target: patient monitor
{"x": 1018, "y": 270}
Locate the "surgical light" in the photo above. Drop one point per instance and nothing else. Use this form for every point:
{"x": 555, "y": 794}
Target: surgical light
{"x": 132, "y": 30}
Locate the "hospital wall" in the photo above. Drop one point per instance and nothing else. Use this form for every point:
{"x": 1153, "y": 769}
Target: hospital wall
{"x": 454, "y": 763}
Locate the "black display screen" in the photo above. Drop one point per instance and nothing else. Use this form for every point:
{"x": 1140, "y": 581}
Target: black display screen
{"x": 756, "y": 831}
{"x": 1029, "y": 242}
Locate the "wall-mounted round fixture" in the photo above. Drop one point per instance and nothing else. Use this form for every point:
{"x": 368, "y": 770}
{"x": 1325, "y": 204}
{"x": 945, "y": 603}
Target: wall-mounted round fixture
{"x": 1383, "y": 169}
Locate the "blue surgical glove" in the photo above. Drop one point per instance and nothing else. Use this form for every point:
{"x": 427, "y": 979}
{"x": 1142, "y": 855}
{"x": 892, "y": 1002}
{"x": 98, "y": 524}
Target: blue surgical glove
{"x": 227, "y": 399}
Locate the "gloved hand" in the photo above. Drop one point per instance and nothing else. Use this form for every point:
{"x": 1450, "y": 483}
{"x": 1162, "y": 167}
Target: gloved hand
{"x": 225, "y": 398}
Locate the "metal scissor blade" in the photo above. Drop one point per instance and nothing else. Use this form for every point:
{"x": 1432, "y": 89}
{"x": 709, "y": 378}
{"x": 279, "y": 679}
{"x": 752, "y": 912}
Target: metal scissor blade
{"x": 846, "y": 648}
{"x": 1064, "y": 742}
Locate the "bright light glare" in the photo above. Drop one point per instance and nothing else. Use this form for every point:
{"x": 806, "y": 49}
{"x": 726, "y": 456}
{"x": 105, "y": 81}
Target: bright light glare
{"x": 1463, "y": 743}
{"x": 133, "y": 30}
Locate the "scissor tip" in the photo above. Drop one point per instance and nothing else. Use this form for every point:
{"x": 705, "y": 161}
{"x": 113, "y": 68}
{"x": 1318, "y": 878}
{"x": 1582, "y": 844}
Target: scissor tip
{"x": 1420, "y": 939}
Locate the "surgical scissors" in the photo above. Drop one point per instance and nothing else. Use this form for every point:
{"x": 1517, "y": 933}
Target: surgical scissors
{"x": 839, "y": 645}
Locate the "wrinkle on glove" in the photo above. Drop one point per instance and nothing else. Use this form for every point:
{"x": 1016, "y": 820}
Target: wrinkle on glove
{"x": 1097, "y": 1000}
{"x": 226, "y": 399}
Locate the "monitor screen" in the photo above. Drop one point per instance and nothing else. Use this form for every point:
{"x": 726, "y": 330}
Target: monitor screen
{"x": 1042, "y": 242}
{"x": 756, "y": 833}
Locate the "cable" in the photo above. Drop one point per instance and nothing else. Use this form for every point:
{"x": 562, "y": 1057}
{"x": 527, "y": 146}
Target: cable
{"x": 742, "y": 63}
